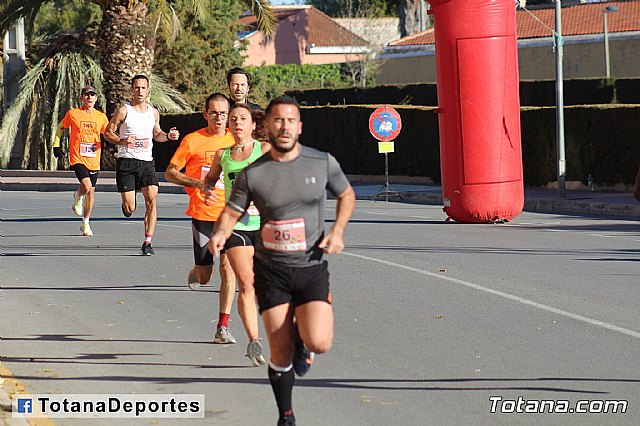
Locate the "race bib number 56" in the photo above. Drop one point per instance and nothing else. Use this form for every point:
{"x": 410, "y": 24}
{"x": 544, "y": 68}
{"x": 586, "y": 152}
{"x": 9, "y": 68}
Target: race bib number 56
{"x": 140, "y": 145}
{"x": 284, "y": 235}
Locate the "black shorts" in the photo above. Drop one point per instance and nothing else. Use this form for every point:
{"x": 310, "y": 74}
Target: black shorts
{"x": 82, "y": 172}
{"x": 132, "y": 174}
{"x": 202, "y": 230}
{"x": 277, "y": 284}
{"x": 241, "y": 239}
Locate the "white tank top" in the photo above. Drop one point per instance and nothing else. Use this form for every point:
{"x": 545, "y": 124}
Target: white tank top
{"x": 140, "y": 124}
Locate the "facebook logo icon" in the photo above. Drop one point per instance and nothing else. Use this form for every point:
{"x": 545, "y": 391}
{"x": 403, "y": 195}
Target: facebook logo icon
{"x": 24, "y": 405}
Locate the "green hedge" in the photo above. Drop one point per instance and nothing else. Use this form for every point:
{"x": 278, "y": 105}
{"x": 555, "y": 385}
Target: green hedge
{"x": 532, "y": 93}
{"x": 185, "y": 123}
{"x": 412, "y": 94}
{"x": 601, "y": 140}
{"x": 628, "y": 90}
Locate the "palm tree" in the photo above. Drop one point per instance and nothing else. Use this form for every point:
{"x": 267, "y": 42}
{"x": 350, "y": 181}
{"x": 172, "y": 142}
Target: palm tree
{"x": 125, "y": 45}
{"x": 50, "y": 88}
{"x": 126, "y": 39}
{"x": 66, "y": 63}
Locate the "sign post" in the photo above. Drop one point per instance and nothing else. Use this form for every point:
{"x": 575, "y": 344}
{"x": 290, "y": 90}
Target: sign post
{"x": 385, "y": 125}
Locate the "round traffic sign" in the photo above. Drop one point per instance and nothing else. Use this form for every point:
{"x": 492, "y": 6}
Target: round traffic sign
{"x": 385, "y": 124}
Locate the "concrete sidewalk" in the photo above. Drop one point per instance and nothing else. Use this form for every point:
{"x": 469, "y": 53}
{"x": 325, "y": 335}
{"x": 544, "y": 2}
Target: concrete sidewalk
{"x": 616, "y": 204}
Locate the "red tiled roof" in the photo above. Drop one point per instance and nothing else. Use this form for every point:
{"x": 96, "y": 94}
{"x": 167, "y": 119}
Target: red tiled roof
{"x": 578, "y": 19}
{"x": 323, "y": 31}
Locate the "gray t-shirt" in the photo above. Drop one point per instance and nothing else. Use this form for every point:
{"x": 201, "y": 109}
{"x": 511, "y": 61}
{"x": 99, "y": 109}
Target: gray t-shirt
{"x": 290, "y": 197}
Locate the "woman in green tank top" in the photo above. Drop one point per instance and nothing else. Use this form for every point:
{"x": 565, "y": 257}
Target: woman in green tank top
{"x": 239, "y": 247}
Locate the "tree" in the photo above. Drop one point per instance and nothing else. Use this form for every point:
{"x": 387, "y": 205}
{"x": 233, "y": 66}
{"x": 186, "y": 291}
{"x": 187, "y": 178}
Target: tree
{"x": 410, "y": 12}
{"x": 126, "y": 39}
{"x": 195, "y": 64}
{"x": 62, "y": 65}
{"x": 348, "y": 8}
{"x": 362, "y": 65}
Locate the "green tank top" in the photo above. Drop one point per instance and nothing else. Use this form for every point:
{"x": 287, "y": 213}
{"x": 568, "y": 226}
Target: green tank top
{"x": 250, "y": 220}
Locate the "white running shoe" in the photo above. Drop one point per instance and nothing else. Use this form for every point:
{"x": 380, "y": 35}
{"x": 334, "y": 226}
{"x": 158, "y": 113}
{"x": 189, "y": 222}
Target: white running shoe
{"x": 86, "y": 230}
{"x": 254, "y": 353}
{"x": 223, "y": 336}
{"x": 78, "y": 205}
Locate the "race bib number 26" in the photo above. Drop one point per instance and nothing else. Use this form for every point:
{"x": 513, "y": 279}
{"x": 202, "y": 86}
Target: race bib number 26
{"x": 284, "y": 235}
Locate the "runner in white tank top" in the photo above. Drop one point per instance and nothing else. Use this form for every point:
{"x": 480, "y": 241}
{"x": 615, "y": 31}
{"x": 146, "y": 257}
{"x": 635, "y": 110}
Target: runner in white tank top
{"x": 140, "y": 125}
{"x": 133, "y": 128}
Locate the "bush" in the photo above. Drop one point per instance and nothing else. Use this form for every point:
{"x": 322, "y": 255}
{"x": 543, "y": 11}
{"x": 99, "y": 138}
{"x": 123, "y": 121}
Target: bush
{"x": 271, "y": 81}
{"x": 600, "y": 140}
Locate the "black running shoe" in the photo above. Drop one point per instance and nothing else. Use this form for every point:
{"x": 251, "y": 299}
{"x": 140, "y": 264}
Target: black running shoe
{"x": 302, "y": 357}
{"x": 124, "y": 212}
{"x": 287, "y": 421}
{"x": 147, "y": 250}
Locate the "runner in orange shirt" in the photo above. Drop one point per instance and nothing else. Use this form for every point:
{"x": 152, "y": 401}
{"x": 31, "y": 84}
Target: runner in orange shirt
{"x": 87, "y": 123}
{"x": 195, "y": 154}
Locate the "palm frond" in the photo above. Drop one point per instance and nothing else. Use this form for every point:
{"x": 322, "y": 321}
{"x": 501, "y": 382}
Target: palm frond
{"x": 47, "y": 91}
{"x": 29, "y": 85}
{"x": 12, "y": 10}
{"x": 165, "y": 98}
{"x": 266, "y": 19}
{"x": 200, "y": 10}
{"x": 168, "y": 21}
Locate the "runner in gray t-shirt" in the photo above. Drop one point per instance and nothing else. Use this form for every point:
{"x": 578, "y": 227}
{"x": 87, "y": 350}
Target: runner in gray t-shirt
{"x": 288, "y": 186}
{"x": 290, "y": 197}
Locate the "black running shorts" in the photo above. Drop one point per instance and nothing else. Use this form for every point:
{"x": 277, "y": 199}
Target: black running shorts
{"x": 277, "y": 284}
{"x": 202, "y": 230}
{"x": 241, "y": 239}
{"x": 82, "y": 172}
{"x": 132, "y": 174}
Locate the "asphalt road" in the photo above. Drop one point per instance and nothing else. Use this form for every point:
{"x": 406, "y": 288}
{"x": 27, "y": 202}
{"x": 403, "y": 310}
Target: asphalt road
{"x": 435, "y": 322}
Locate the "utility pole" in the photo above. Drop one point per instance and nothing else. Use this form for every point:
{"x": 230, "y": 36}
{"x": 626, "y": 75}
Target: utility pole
{"x": 562, "y": 166}
{"x": 14, "y": 70}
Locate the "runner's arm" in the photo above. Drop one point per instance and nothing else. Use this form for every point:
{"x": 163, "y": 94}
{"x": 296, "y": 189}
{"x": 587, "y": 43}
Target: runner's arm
{"x": 333, "y": 242}
{"x": 59, "y": 131}
{"x": 212, "y": 177}
{"x": 160, "y": 135}
{"x": 57, "y": 150}
{"x": 111, "y": 133}
{"x": 223, "y": 228}
{"x": 173, "y": 174}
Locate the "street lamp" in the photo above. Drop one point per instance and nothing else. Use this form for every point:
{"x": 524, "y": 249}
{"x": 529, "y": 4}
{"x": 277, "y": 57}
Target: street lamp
{"x": 607, "y": 67}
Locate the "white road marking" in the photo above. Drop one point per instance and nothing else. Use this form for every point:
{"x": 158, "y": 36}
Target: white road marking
{"x": 172, "y": 226}
{"x": 518, "y": 299}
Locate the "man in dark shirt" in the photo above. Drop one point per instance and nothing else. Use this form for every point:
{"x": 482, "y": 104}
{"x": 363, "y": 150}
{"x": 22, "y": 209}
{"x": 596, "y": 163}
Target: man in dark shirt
{"x": 239, "y": 83}
{"x": 288, "y": 186}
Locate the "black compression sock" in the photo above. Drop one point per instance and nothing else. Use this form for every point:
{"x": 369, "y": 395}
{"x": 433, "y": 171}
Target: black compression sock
{"x": 282, "y": 385}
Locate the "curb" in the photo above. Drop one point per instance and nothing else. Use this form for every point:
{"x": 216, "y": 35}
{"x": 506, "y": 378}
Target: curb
{"x": 164, "y": 187}
{"x": 582, "y": 208}
{"x": 547, "y": 206}
{"x": 539, "y": 205}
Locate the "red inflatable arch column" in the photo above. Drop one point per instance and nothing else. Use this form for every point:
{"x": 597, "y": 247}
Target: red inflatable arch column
{"x": 479, "y": 109}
